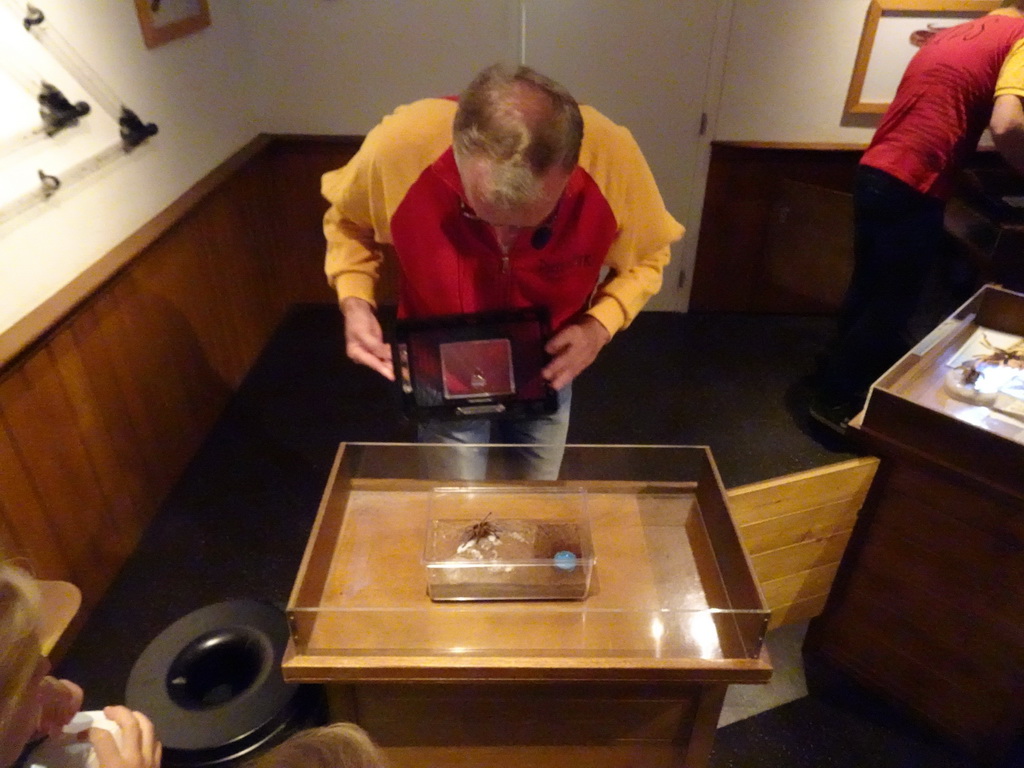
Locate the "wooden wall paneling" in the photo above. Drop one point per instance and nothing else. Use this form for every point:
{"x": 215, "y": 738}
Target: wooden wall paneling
{"x": 971, "y": 602}
{"x": 962, "y": 712}
{"x": 244, "y": 314}
{"x": 809, "y": 250}
{"x": 796, "y": 612}
{"x": 798, "y": 558}
{"x": 997, "y": 515}
{"x": 99, "y": 417}
{"x": 150, "y": 330}
{"x": 928, "y": 611}
{"x": 744, "y": 186}
{"x": 803, "y": 525}
{"x": 108, "y": 345}
{"x": 296, "y": 165}
{"x": 122, "y": 494}
{"x": 117, "y": 416}
{"x": 800, "y": 587}
{"x": 188, "y": 280}
{"x": 281, "y": 262}
{"x": 9, "y": 547}
{"x": 29, "y": 531}
{"x": 963, "y": 699}
{"x": 845, "y": 481}
{"x": 733, "y": 229}
{"x": 42, "y": 426}
{"x": 177, "y": 285}
{"x": 214, "y": 237}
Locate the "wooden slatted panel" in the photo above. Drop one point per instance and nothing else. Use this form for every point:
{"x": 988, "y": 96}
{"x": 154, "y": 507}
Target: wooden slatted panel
{"x": 795, "y": 529}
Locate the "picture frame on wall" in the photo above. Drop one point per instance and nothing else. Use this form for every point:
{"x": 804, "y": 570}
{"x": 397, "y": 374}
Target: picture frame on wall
{"x": 893, "y": 32}
{"x": 165, "y": 20}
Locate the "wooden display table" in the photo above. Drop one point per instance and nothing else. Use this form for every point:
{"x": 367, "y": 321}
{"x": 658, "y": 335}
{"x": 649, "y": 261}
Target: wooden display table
{"x": 634, "y": 674}
{"x": 928, "y": 602}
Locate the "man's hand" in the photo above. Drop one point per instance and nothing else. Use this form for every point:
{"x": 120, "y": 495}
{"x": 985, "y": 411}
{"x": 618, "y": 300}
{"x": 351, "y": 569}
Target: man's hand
{"x": 572, "y": 349}
{"x": 135, "y": 746}
{"x": 59, "y": 701}
{"x": 364, "y": 339}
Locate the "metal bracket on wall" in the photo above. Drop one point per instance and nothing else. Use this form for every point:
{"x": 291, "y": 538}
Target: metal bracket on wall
{"x": 59, "y": 114}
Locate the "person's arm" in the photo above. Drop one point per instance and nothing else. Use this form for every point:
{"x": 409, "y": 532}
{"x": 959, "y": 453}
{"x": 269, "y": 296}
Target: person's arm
{"x": 353, "y": 259}
{"x": 364, "y": 339}
{"x": 357, "y": 226}
{"x": 634, "y": 276}
{"x": 616, "y": 302}
{"x": 1007, "y": 128}
{"x": 1007, "y": 122}
{"x": 636, "y": 258}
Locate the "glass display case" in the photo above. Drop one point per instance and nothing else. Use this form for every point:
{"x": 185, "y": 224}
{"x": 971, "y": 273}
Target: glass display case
{"x": 922, "y": 399}
{"x": 665, "y": 580}
{"x": 608, "y": 629}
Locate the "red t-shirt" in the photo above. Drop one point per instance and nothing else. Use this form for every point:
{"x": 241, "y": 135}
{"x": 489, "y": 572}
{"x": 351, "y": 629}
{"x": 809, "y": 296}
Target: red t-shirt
{"x": 944, "y": 103}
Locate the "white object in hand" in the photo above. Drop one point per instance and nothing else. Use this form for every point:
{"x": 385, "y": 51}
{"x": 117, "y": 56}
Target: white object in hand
{"x": 72, "y": 749}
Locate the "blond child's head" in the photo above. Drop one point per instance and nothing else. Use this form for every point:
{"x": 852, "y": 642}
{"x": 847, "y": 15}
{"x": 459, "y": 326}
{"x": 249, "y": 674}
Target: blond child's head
{"x": 21, "y": 662}
{"x": 341, "y": 745}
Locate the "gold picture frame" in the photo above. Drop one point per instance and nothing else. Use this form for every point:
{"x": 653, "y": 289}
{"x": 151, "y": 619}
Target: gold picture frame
{"x": 893, "y": 30}
{"x": 165, "y": 20}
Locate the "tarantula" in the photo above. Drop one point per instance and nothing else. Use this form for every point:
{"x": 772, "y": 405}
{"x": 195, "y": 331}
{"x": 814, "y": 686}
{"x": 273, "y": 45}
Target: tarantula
{"x": 1012, "y": 356}
{"x": 479, "y": 531}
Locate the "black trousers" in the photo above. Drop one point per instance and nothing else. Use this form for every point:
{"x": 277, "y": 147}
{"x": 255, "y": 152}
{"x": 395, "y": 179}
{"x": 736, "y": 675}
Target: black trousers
{"x": 898, "y": 233}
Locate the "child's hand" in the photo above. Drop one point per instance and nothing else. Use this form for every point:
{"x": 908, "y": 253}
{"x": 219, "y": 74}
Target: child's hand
{"x": 134, "y": 747}
{"x": 59, "y": 700}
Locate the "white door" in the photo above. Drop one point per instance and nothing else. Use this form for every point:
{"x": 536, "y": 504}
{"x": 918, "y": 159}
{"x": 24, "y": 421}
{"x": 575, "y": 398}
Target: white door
{"x": 648, "y": 65}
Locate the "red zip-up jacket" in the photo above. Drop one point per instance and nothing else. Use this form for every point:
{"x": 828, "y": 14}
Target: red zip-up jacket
{"x": 401, "y": 194}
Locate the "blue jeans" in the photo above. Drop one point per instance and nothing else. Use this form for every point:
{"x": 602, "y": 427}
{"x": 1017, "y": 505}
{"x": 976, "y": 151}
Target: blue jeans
{"x": 539, "y": 444}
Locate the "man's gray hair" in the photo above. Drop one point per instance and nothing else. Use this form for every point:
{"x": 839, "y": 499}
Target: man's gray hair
{"x": 522, "y": 121}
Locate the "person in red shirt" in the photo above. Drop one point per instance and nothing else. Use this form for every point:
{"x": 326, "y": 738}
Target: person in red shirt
{"x": 511, "y": 196}
{"x": 963, "y": 79}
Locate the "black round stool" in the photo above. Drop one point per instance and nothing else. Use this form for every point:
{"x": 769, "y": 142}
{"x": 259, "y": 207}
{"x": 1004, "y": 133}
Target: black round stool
{"x": 211, "y": 683}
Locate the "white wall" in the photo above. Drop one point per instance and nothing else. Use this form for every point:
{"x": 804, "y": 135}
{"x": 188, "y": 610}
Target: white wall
{"x": 195, "y": 92}
{"x": 338, "y": 66}
{"x": 788, "y": 66}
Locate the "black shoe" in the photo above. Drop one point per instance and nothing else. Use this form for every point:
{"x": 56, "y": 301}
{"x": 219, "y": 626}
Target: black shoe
{"x": 834, "y": 416}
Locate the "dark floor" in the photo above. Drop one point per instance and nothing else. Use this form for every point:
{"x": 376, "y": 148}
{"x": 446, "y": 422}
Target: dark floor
{"x": 236, "y": 524}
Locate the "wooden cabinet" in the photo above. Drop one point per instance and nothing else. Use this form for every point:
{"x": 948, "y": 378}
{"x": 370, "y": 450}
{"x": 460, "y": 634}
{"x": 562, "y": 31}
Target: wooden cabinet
{"x": 928, "y": 604}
